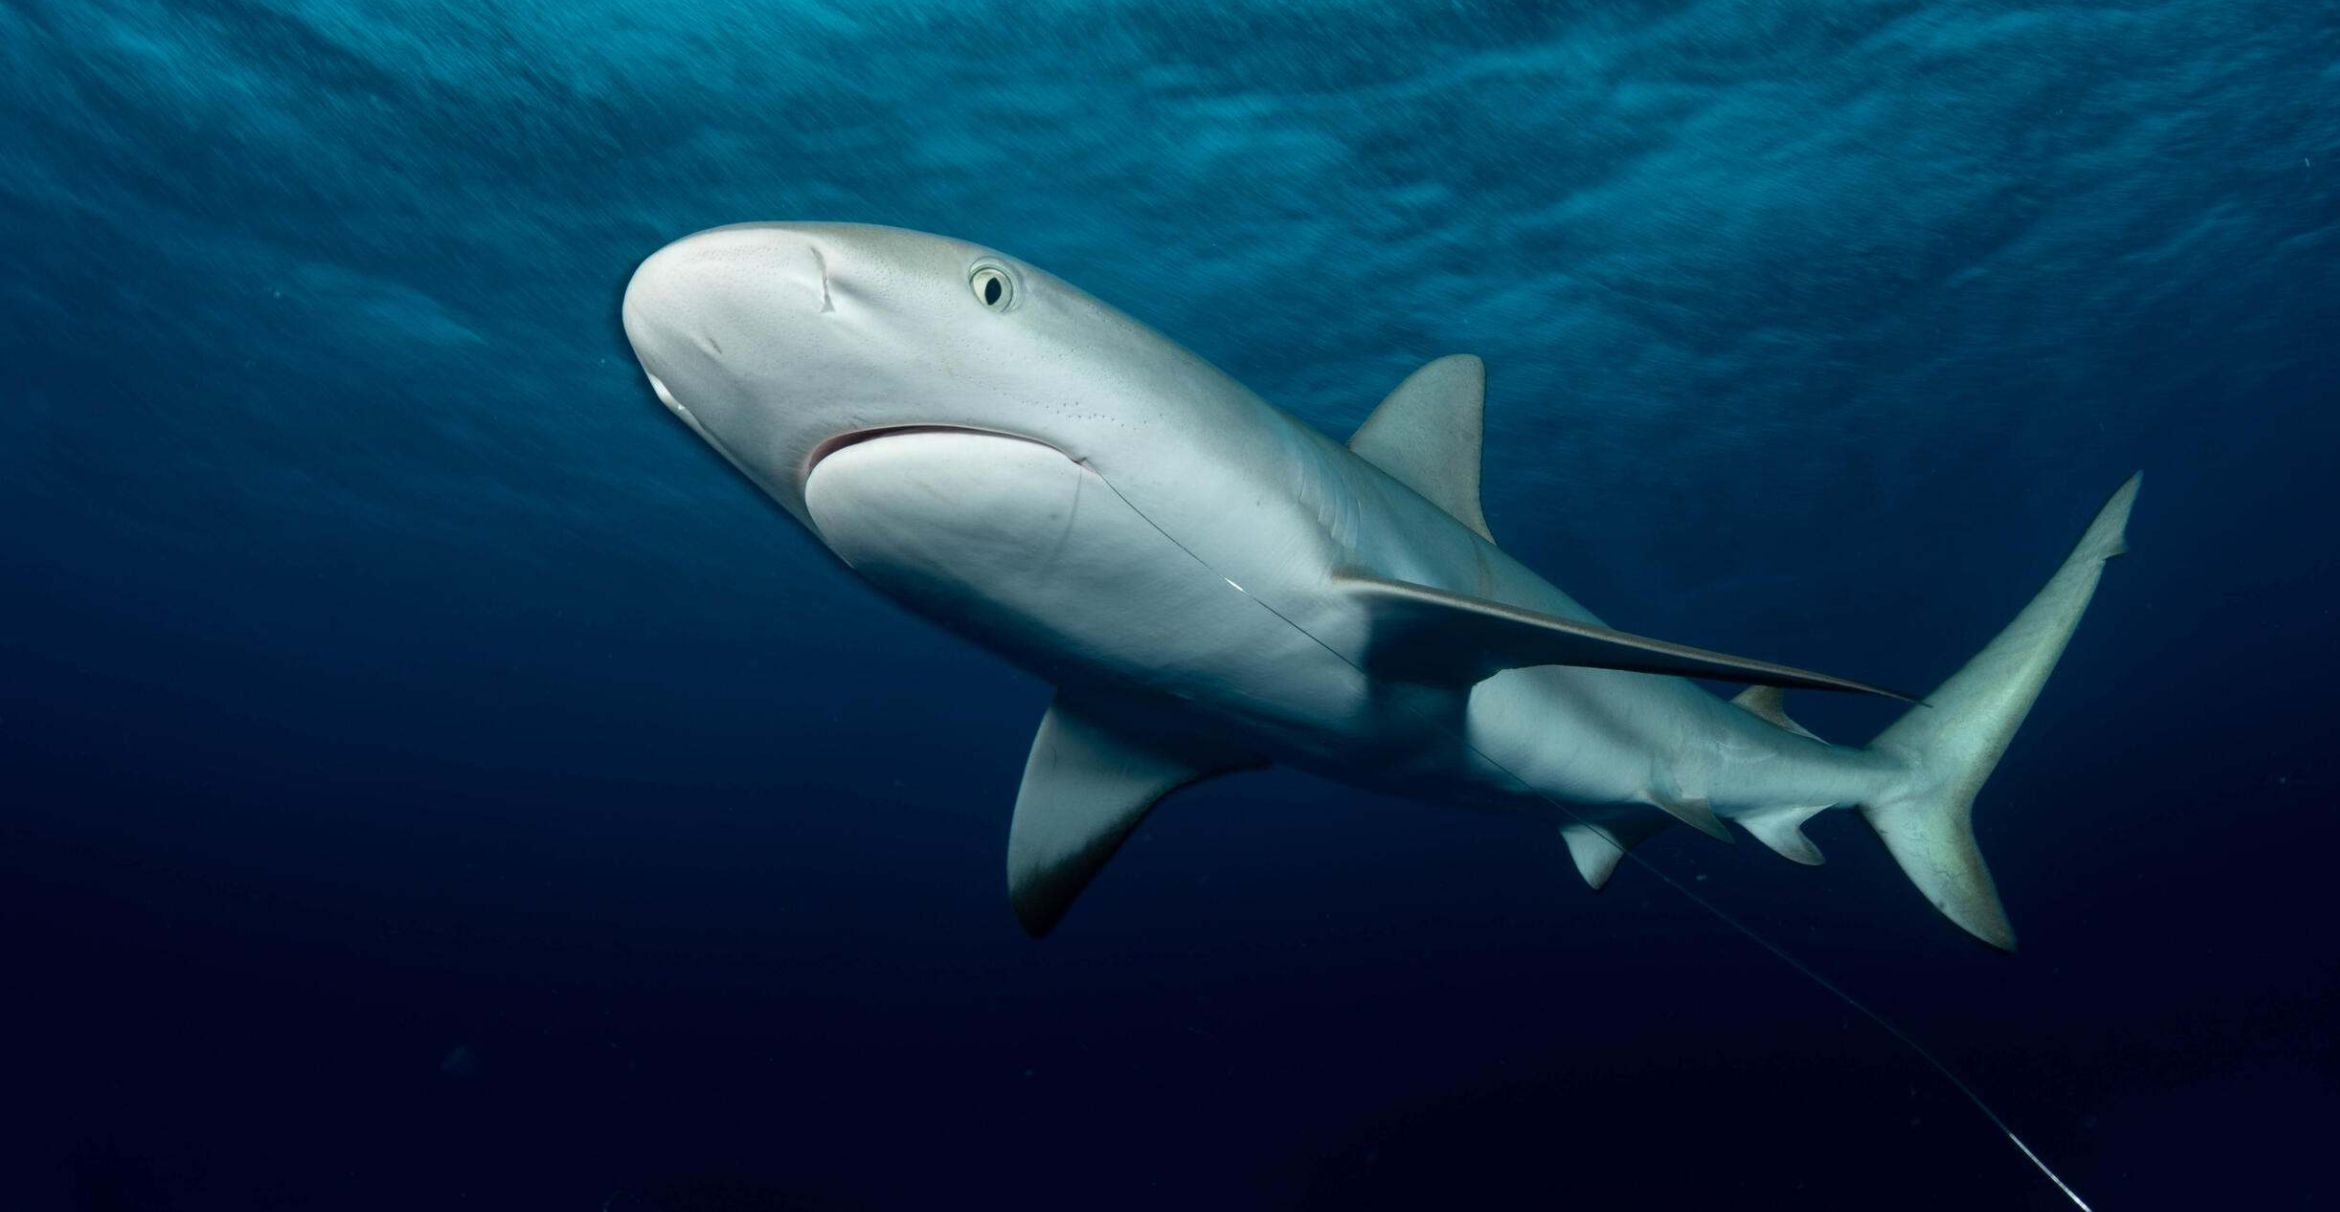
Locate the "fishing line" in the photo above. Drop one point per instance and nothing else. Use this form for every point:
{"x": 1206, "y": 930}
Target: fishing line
{"x": 1720, "y": 914}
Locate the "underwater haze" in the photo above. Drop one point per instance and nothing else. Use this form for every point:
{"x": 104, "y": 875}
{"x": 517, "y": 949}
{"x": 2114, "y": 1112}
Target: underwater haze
{"x": 434, "y": 779}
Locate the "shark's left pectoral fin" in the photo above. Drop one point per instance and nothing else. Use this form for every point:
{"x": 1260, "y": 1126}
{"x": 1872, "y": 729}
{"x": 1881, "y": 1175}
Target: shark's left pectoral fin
{"x": 1426, "y": 634}
{"x": 1093, "y": 773}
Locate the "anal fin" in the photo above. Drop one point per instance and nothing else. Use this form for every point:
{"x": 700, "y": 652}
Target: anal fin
{"x": 1782, "y": 829}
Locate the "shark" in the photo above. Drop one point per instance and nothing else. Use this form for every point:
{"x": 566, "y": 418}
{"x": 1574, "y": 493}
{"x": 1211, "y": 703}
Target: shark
{"x": 1213, "y": 585}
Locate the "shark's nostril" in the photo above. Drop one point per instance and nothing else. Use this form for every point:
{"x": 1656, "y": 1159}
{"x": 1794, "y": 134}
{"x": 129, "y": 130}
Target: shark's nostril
{"x": 821, "y": 263}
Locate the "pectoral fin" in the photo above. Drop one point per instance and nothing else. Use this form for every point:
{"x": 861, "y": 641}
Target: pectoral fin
{"x": 1094, "y": 771}
{"x": 1426, "y": 634}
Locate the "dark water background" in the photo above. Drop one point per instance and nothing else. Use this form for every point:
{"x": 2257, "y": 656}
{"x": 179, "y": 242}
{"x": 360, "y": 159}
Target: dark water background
{"x": 383, "y": 673}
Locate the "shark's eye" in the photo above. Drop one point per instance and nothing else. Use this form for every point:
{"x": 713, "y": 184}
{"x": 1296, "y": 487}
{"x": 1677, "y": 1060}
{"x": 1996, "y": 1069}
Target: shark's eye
{"x": 993, "y": 287}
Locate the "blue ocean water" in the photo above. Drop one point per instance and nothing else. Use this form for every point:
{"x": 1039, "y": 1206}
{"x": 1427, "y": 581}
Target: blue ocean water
{"x": 435, "y": 781}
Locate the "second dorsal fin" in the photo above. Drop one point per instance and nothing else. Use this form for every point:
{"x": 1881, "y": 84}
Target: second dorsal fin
{"x": 1426, "y": 436}
{"x": 1770, "y": 703}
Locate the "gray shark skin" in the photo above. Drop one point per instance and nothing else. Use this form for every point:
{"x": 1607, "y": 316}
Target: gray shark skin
{"x": 1215, "y": 586}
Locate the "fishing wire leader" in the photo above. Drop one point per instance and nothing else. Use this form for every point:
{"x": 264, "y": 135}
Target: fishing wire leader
{"x": 1758, "y": 938}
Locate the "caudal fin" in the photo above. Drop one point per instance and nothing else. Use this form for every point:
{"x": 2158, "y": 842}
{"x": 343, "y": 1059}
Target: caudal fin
{"x": 1956, "y": 738}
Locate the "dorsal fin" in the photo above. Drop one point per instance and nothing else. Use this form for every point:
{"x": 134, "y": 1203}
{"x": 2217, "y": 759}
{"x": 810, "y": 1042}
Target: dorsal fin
{"x": 1770, "y": 703}
{"x": 1426, "y": 436}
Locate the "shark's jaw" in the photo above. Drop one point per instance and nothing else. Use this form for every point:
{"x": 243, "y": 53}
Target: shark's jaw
{"x": 782, "y": 344}
{"x": 665, "y": 396}
{"x": 1015, "y": 545}
{"x": 828, "y": 447}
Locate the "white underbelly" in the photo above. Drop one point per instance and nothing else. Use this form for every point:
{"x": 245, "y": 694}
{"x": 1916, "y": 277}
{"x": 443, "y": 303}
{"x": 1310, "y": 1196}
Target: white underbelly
{"x": 1013, "y": 545}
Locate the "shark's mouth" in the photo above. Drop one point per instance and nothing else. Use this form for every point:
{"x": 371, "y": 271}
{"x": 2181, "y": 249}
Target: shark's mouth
{"x": 658, "y": 388}
{"x": 1011, "y": 544}
{"x": 856, "y": 437}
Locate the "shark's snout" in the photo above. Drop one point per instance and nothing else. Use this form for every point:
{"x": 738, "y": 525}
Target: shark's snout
{"x": 708, "y": 310}
{"x": 723, "y": 283}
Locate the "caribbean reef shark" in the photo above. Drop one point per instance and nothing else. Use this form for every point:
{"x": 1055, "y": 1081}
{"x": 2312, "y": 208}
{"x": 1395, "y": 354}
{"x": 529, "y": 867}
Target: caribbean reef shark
{"x": 1213, "y": 585}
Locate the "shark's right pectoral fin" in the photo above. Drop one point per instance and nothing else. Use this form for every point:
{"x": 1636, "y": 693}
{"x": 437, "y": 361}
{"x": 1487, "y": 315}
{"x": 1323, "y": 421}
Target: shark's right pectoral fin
{"x": 1093, "y": 774}
{"x": 1425, "y": 634}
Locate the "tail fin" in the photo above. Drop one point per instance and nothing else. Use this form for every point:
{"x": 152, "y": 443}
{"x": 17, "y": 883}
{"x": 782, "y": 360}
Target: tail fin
{"x": 1952, "y": 742}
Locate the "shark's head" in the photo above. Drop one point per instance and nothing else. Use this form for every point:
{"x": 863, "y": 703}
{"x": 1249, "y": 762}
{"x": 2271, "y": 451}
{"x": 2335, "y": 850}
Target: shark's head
{"x": 782, "y": 342}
